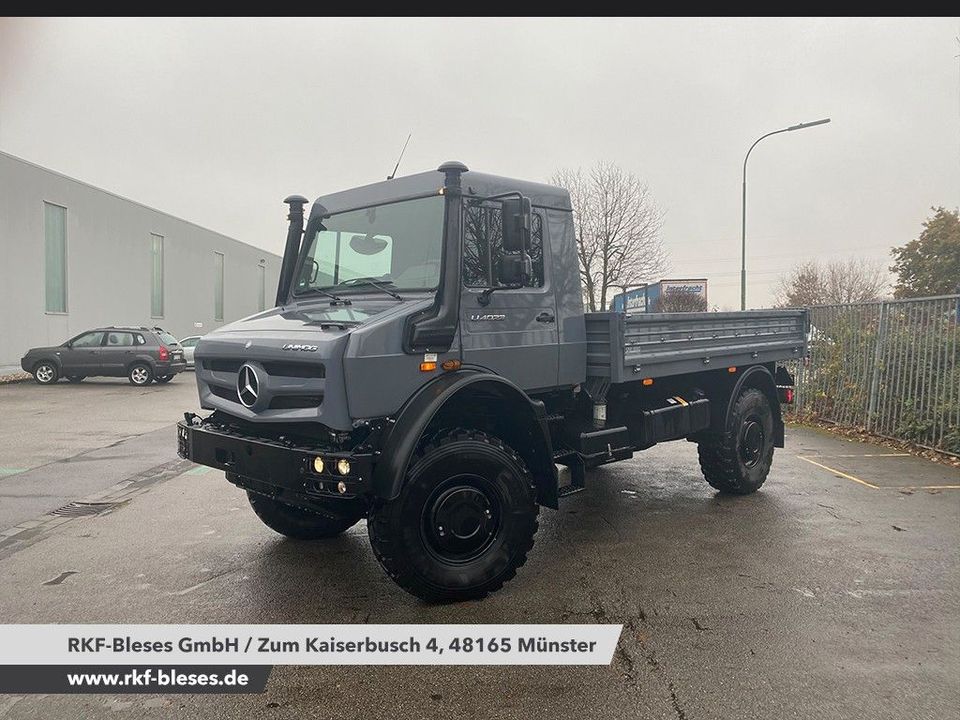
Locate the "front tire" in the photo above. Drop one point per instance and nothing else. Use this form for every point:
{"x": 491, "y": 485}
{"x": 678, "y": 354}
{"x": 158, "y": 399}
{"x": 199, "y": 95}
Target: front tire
{"x": 164, "y": 379}
{"x": 328, "y": 520}
{"x": 76, "y": 378}
{"x": 46, "y": 373}
{"x": 463, "y": 522}
{"x": 738, "y": 461}
{"x": 140, "y": 374}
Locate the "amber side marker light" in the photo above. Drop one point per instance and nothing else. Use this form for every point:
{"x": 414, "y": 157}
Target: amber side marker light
{"x": 449, "y": 365}
{"x": 647, "y": 381}
{"x": 428, "y": 366}
{"x": 731, "y": 369}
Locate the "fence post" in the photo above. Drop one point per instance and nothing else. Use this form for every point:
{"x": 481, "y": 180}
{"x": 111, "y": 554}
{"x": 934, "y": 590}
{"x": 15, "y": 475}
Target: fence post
{"x": 877, "y": 357}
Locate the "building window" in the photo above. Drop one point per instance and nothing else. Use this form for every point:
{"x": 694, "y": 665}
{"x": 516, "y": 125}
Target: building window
{"x": 55, "y": 259}
{"x": 218, "y": 286}
{"x": 156, "y": 275}
{"x": 262, "y": 277}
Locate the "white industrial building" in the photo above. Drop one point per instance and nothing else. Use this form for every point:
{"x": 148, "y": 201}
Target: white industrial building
{"x": 73, "y": 256}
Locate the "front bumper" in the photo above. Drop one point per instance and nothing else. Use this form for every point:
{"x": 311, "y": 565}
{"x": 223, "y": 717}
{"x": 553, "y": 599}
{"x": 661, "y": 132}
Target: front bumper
{"x": 275, "y": 467}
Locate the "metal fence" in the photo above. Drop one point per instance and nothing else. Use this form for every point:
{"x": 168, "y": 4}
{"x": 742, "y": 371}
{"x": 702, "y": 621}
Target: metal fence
{"x": 891, "y": 368}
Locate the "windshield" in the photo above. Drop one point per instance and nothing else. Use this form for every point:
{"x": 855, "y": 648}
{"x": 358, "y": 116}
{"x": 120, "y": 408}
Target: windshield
{"x": 398, "y": 245}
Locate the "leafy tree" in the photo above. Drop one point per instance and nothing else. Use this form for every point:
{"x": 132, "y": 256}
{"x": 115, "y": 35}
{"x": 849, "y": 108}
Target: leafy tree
{"x": 930, "y": 265}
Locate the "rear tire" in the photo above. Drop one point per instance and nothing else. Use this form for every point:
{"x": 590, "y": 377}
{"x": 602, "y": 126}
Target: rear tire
{"x": 464, "y": 520}
{"x": 327, "y": 521}
{"x": 46, "y": 373}
{"x": 140, "y": 374}
{"x": 738, "y": 461}
{"x": 164, "y": 379}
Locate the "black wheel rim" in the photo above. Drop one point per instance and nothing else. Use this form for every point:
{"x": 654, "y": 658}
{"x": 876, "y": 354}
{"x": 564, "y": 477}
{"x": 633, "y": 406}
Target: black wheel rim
{"x": 461, "y": 519}
{"x": 751, "y": 441}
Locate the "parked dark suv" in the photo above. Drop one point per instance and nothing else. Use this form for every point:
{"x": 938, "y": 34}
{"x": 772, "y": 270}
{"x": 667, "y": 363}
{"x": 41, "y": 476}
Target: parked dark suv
{"x": 140, "y": 354}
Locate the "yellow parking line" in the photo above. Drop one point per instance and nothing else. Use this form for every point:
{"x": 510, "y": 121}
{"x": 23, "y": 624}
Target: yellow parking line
{"x": 841, "y": 474}
{"x": 869, "y": 455}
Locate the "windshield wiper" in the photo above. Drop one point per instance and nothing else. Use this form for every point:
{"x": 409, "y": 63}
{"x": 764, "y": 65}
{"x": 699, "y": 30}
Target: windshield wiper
{"x": 373, "y": 283}
{"x": 337, "y": 300}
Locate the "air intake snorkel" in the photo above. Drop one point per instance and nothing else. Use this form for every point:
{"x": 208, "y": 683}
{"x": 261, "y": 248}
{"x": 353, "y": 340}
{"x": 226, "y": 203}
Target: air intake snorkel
{"x": 292, "y": 249}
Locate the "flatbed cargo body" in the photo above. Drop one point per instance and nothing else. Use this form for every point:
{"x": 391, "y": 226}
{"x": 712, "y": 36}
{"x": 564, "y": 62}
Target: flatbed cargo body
{"x": 624, "y": 347}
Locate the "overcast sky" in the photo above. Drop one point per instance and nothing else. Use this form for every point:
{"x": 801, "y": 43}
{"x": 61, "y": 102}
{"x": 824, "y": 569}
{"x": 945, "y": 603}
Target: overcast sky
{"x": 216, "y": 121}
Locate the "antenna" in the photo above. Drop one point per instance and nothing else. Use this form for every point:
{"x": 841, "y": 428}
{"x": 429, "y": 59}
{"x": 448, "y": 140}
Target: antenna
{"x": 393, "y": 174}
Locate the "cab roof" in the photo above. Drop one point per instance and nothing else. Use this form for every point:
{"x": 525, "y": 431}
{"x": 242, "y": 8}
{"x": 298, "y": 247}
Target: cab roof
{"x": 473, "y": 183}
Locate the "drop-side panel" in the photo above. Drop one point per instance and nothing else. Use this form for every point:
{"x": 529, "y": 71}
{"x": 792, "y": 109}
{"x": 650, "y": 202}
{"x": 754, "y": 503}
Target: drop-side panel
{"x": 625, "y": 347}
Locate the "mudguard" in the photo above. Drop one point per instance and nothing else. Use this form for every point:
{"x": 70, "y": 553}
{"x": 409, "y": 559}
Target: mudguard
{"x": 525, "y": 421}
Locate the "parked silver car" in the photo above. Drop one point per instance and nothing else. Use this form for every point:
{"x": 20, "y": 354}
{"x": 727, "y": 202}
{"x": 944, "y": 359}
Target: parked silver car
{"x": 188, "y": 344}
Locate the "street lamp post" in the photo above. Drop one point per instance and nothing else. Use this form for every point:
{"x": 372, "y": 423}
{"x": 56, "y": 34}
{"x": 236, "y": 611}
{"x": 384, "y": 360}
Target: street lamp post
{"x": 743, "y": 227}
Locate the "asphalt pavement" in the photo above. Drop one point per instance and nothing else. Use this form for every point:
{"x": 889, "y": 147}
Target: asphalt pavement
{"x": 834, "y": 592}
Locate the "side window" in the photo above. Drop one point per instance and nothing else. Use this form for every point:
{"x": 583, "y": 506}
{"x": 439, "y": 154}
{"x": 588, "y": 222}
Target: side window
{"x": 536, "y": 249}
{"x": 119, "y": 339}
{"x": 483, "y": 245}
{"x": 138, "y": 339}
{"x": 93, "y": 339}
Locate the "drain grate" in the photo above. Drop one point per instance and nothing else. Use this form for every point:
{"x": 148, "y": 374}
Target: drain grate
{"x": 83, "y": 509}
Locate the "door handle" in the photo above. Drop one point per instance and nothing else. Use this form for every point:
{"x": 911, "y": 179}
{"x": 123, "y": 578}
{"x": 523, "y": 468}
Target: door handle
{"x": 545, "y": 317}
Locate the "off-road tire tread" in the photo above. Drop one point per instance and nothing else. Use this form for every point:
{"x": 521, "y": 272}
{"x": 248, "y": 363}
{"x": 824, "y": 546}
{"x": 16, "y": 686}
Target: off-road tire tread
{"x": 327, "y": 525}
{"x": 381, "y": 526}
{"x": 718, "y": 456}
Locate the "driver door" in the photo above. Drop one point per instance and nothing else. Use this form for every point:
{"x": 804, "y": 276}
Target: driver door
{"x": 82, "y": 355}
{"x": 515, "y": 335}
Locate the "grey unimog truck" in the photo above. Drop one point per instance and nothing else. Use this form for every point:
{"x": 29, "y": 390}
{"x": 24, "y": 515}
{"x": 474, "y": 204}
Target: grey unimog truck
{"x": 429, "y": 364}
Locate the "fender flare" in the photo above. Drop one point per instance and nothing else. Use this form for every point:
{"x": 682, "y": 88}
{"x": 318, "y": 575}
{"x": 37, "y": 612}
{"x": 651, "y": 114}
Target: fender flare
{"x": 140, "y": 360}
{"x": 759, "y": 377}
{"x": 415, "y": 416}
{"x": 48, "y": 358}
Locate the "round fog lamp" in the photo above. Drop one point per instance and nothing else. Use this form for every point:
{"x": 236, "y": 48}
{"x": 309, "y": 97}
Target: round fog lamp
{"x": 341, "y": 487}
{"x": 318, "y": 464}
{"x": 343, "y": 466}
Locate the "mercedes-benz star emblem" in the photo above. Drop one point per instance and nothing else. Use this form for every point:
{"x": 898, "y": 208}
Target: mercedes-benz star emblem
{"x": 248, "y": 386}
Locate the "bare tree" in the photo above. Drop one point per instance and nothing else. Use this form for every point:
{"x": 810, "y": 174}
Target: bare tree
{"x": 617, "y": 224}
{"x": 835, "y": 282}
{"x": 677, "y": 301}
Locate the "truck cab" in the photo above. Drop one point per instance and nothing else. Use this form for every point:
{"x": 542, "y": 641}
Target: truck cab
{"x": 427, "y": 366}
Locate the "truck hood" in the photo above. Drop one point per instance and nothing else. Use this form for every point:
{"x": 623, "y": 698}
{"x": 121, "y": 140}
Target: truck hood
{"x": 296, "y": 353}
{"x": 317, "y": 318}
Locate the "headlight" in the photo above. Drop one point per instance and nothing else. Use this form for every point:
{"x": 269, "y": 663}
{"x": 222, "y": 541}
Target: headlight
{"x": 343, "y": 466}
{"x": 318, "y": 464}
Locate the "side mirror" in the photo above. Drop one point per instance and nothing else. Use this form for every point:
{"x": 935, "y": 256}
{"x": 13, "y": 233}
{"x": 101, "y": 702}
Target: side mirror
{"x": 514, "y": 268}
{"x": 516, "y": 224}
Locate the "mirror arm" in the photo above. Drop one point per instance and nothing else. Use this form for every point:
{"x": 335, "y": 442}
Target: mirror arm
{"x": 484, "y": 297}
{"x": 513, "y": 193}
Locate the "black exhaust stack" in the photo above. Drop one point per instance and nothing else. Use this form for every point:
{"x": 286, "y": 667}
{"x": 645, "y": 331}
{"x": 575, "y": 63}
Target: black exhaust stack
{"x": 292, "y": 249}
